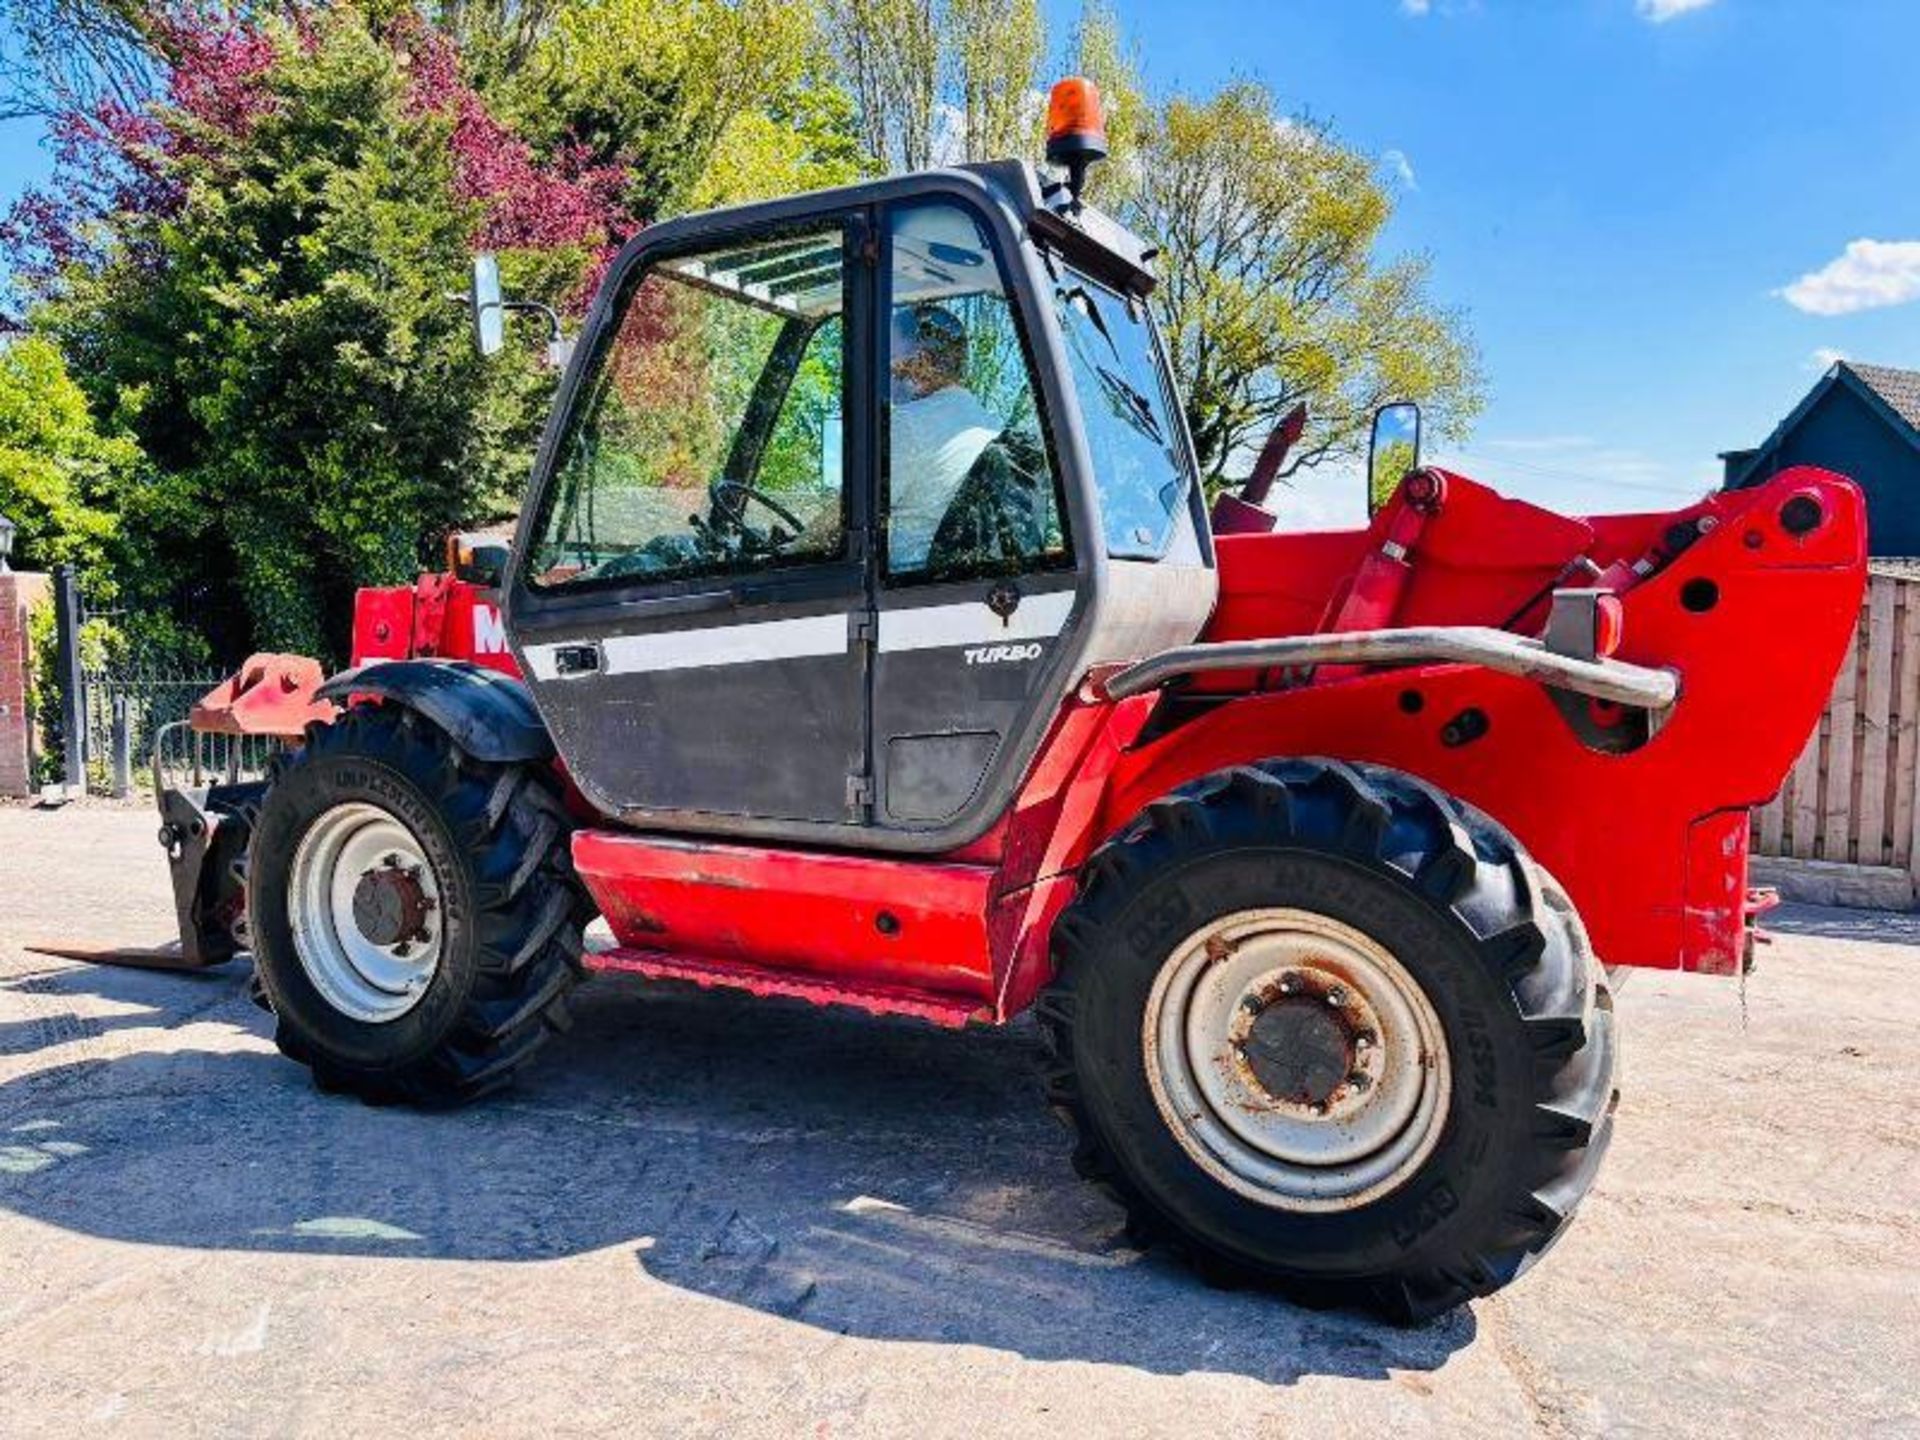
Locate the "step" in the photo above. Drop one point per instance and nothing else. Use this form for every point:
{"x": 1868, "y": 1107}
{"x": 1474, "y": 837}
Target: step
{"x": 947, "y": 1011}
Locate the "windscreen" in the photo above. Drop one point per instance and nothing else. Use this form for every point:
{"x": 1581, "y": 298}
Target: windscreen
{"x": 1139, "y": 457}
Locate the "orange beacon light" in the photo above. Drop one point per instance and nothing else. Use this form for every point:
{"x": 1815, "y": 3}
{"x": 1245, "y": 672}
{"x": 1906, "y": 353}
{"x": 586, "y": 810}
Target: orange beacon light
{"x": 1076, "y": 130}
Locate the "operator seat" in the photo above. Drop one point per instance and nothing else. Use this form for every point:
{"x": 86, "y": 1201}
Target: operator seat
{"x": 998, "y": 517}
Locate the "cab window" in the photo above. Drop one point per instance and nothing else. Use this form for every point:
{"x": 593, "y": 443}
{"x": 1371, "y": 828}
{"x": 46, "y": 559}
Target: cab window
{"x": 709, "y": 440}
{"x": 1140, "y": 466}
{"x": 970, "y": 486}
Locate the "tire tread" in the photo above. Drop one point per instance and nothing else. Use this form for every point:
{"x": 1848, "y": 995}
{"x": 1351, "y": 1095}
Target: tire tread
{"x": 514, "y": 827}
{"x": 1525, "y": 932}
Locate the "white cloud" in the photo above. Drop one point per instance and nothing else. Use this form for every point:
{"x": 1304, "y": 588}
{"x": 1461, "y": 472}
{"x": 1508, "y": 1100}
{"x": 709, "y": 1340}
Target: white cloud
{"x": 1661, "y": 11}
{"x": 1825, "y": 358}
{"x": 1396, "y": 161}
{"x": 1322, "y": 497}
{"x": 1415, "y": 7}
{"x": 1868, "y": 275}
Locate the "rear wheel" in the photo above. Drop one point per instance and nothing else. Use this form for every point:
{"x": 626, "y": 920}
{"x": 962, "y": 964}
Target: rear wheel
{"x": 415, "y": 922}
{"x": 1321, "y": 1027}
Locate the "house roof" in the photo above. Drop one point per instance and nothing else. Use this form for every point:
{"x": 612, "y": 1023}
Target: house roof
{"x": 1891, "y": 393}
{"x": 1899, "y": 388}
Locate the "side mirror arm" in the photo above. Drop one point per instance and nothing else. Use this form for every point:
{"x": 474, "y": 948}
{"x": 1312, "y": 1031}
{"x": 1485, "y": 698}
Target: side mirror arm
{"x": 559, "y": 347}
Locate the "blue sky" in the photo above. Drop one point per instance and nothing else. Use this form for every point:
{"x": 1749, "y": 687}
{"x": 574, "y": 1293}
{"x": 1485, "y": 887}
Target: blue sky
{"x": 1617, "y": 191}
{"x": 1626, "y": 196}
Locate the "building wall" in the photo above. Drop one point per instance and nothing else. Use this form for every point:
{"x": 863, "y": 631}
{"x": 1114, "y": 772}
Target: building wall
{"x": 19, "y": 593}
{"x": 1843, "y": 433}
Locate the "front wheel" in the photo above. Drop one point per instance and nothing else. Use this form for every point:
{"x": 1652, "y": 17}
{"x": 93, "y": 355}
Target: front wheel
{"x": 415, "y": 921}
{"x": 1321, "y": 1027}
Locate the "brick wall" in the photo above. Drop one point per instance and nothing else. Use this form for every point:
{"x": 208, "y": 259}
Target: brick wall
{"x": 19, "y": 593}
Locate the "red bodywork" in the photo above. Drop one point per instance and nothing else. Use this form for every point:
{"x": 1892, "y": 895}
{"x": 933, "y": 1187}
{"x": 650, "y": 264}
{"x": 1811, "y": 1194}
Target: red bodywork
{"x": 1650, "y": 839}
{"x": 437, "y": 616}
{"x": 269, "y": 695}
{"x": 1651, "y": 842}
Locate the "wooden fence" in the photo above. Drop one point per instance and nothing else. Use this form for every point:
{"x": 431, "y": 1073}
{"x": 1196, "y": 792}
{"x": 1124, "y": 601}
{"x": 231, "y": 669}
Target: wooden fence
{"x": 1851, "y": 795}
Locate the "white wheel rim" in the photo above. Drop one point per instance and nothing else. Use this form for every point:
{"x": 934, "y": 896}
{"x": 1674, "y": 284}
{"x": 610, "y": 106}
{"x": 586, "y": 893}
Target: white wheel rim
{"x": 354, "y": 971}
{"x": 1249, "y": 1026}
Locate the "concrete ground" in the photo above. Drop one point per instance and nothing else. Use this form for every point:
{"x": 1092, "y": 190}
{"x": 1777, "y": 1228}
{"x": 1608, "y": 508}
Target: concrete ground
{"x": 702, "y": 1215}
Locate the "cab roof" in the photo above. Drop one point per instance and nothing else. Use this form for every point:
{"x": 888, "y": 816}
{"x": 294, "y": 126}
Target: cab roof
{"x": 1034, "y": 204}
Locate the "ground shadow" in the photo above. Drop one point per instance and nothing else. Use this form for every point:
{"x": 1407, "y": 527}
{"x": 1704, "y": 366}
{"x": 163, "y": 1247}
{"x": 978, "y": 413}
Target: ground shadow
{"x": 58, "y": 1023}
{"x": 870, "y": 1177}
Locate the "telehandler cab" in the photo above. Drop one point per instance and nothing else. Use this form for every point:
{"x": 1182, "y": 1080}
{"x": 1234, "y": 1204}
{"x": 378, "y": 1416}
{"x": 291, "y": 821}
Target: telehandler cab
{"x": 865, "y": 640}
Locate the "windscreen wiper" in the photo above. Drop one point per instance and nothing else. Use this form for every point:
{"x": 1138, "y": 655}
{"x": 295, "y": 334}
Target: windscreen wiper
{"x": 1116, "y": 384}
{"x": 1142, "y": 409}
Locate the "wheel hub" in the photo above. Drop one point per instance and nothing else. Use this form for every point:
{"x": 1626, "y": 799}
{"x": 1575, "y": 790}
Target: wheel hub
{"x": 1296, "y": 1050}
{"x": 1296, "y": 1059}
{"x": 390, "y": 906}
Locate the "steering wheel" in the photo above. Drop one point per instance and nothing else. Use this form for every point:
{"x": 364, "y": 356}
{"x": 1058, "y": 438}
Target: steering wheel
{"x": 730, "y": 499}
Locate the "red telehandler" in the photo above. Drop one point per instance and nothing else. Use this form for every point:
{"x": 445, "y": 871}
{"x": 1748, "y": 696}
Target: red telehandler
{"x": 865, "y": 639}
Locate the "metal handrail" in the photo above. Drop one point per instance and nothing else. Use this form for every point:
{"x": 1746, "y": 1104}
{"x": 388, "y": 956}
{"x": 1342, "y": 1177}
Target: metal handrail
{"x": 1616, "y": 680}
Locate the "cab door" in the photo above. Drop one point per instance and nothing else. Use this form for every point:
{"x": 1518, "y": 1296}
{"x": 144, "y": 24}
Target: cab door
{"x": 976, "y": 586}
{"x": 692, "y": 601}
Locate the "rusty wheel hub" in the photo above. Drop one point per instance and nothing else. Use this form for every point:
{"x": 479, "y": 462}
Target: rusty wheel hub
{"x": 390, "y": 905}
{"x": 1296, "y": 1059}
{"x": 1296, "y": 1051}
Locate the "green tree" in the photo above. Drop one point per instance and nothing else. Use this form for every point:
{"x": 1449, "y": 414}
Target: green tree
{"x": 61, "y": 478}
{"x": 996, "y": 55}
{"x": 1271, "y": 289}
{"x": 702, "y": 101}
{"x": 888, "y": 52}
{"x": 275, "y": 331}
{"x": 942, "y": 81}
{"x": 496, "y": 39}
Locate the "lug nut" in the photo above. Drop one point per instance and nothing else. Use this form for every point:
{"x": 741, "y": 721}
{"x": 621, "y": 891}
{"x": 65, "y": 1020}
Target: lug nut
{"x": 1363, "y": 1041}
{"x": 1288, "y": 983}
{"x": 1337, "y": 997}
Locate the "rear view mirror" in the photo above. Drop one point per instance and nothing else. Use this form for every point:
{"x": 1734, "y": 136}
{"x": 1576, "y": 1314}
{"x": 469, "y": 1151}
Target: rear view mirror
{"x": 1393, "y": 453}
{"x": 489, "y": 315}
{"x": 490, "y": 309}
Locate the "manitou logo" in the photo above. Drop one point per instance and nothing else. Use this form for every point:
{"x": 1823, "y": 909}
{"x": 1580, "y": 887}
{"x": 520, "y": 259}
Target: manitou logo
{"x": 1003, "y": 654}
{"x": 489, "y": 632}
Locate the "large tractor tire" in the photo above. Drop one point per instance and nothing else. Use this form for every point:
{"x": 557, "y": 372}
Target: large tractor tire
{"x": 1322, "y": 1028}
{"x": 415, "y": 920}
